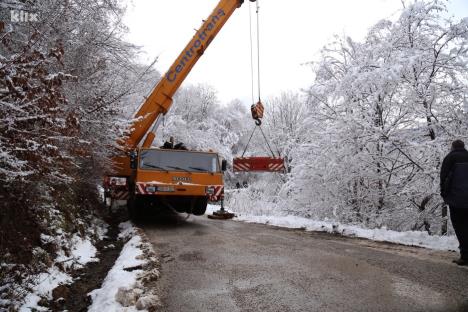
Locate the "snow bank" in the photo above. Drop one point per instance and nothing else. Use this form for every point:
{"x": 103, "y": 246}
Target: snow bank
{"x": 122, "y": 289}
{"x": 127, "y": 230}
{"x": 410, "y": 238}
{"x": 104, "y": 299}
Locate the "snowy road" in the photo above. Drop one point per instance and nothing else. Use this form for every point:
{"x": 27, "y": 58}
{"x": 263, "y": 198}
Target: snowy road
{"x": 232, "y": 266}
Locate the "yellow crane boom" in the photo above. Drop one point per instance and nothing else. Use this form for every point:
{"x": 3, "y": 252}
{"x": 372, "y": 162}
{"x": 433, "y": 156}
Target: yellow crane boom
{"x": 160, "y": 99}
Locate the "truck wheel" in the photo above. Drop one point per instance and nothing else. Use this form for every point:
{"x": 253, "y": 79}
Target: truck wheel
{"x": 136, "y": 208}
{"x": 199, "y": 207}
{"x": 132, "y": 213}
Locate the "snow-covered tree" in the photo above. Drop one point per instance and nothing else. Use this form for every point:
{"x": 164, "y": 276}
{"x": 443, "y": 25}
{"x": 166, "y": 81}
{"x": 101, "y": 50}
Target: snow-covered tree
{"x": 382, "y": 115}
{"x": 284, "y": 121}
{"x": 64, "y": 82}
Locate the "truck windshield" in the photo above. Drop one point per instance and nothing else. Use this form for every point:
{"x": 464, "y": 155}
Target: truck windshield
{"x": 167, "y": 160}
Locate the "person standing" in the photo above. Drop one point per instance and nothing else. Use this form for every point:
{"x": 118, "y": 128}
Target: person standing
{"x": 454, "y": 191}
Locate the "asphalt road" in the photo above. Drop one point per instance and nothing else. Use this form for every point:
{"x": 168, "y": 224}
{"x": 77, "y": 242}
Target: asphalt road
{"x": 232, "y": 266}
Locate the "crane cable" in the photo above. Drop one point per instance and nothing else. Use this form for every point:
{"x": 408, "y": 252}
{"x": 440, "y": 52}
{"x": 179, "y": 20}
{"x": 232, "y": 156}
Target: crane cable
{"x": 258, "y": 48}
{"x": 252, "y": 52}
{"x": 266, "y": 140}
{"x": 258, "y": 72}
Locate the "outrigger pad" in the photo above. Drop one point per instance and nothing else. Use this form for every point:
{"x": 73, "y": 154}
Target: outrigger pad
{"x": 221, "y": 215}
{"x": 262, "y": 164}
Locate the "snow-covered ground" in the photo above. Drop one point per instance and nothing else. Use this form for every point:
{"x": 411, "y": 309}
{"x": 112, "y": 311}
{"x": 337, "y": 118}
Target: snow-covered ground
{"x": 410, "y": 238}
{"x": 123, "y": 289}
{"x": 81, "y": 251}
{"x": 46, "y": 282}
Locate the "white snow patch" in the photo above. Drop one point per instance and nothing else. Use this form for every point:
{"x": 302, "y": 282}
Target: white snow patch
{"x": 409, "y": 238}
{"x": 104, "y": 299}
{"x": 101, "y": 191}
{"x": 81, "y": 252}
{"x": 84, "y": 251}
{"x": 212, "y": 208}
{"x": 46, "y": 283}
{"x": 127, "y": 230}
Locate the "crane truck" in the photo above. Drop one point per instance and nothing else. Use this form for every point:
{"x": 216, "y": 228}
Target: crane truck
{"x": 179, "y": 179}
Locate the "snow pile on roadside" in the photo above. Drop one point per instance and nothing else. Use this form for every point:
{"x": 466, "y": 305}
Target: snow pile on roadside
{"x": 409, "y": 238}
{"x": 124, "y": 287}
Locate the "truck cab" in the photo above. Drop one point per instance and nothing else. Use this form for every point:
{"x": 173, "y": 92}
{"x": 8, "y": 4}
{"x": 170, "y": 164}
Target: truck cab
{"x": 181, "y": 180}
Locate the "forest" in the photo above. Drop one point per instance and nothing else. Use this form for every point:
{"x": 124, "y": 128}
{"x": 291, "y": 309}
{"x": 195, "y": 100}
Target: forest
{"x": 364, "y": 142}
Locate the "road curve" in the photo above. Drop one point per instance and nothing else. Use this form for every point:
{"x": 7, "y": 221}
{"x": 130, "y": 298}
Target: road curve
{"x": 233, "y": 266}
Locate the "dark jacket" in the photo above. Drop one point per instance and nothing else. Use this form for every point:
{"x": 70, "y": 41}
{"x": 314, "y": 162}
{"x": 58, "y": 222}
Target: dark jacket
{"x": 454, "y": 178}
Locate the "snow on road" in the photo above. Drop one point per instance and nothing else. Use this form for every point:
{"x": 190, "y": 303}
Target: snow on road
{"x": 409, "y": 238}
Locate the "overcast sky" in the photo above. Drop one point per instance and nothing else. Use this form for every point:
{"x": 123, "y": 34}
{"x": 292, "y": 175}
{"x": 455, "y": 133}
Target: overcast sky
{"x": 292, "y": 33}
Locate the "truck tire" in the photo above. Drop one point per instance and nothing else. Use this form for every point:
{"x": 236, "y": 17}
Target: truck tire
{"x": 199, "y": 207}
{"x": 135, "y": 208}
{"x": 131, "y": 208}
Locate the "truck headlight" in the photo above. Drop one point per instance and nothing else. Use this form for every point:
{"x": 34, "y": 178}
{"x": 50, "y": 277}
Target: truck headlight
{"x": 210, "y": 190}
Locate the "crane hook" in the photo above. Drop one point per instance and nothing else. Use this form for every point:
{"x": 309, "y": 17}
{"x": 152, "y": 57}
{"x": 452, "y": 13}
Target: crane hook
{"x": 257, "y": 112}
